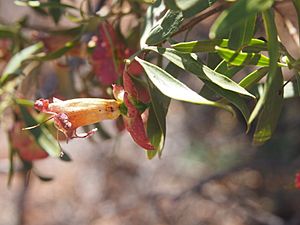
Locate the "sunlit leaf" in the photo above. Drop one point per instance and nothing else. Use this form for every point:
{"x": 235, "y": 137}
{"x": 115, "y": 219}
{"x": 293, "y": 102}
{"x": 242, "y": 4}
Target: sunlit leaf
{"x": 210, "y": 45}
{"x": 242, "y": 34}
{"x": 219, "y": 83}
{"x": 165, "y": 27}
{"x": 150, "y": 20}
{"x": 189, "y": 63}
{"x": 237, "y": 14}
{"x": 189, "y": 7}
{"x": 156, "y": 125}
{"x": 55, "y": 12}
{"x": 271, "y": 87}
{"x": 253, "y": 77}
{"x": 271, "y": 110}
{"x": 16, "y": 61}
{"x": 7, "y": 31}
{"x": 224, "y": 69}
{"x": 243, "y": 58}
{"x": 39, "y": 4}
{"x": 173, "y": 88}
{"x": 58, "y": 53}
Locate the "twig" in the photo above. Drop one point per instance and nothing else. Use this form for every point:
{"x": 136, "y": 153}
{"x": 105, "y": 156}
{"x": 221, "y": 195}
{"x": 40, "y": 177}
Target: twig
{"x": 199, "y": 18}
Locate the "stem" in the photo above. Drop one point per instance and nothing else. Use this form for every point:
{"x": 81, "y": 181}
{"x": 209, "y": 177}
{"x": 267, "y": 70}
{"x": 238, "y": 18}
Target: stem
{"x": 131, "y": 58}
{"x": 199, "y": 18}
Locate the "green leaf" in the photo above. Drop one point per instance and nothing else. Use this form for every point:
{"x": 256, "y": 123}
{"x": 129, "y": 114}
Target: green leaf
{"x": 150, "y": 19}
{"x": 171, "y": 4}
{"x": 41, "y": 134}
{"x": 236, "y": 15}
{"x": 242, "y": 34}
{"x": 298, "y": 81}
{"x": 290, "y": 89}
{"x": 55, "y": 12}
{"x": 8, "y": 31}
{"x": 16, "y": 61}
{"x": 24, "y": 102}
{"x": 219, "y": 83}
{"x": 156, "y": 125}
{"x": 271, "y": 110}
{"x": 189, "y": 63}
{"x": 155, "y": 133}
{"x": 189, "y": 7}
{"x": 58, "y": 53}
{"x": 165, "y": 27}
{"x": 222, "y": 68}
{"x": 65, "y": 157}
{"x": 242, "y": 58}
{"x": 272, "y": 80}
{"x": 11, "y": 169}
{"x": 173, "y": 88}
{"x": 49, "y": 4}
{"x": 297, "y": 7}
{"x": 210, "y": 45}
{"x": 227, "y": 70}
{"x": 254, "y": 77}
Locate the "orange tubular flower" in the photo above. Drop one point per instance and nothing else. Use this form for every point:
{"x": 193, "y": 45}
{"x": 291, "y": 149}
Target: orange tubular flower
{"x": 71, "y": 114}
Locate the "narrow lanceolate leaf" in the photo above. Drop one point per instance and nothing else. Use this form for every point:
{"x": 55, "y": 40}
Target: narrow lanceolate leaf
{"x": 190, "y": 7}
{"x": 16, "y": 61}
{"x": 55, "y": 12}
{"x": 254, "y": 77}
{"x": 271, "y": 110}
{"x": 218, "y": 83}
{"x": 49, "y": 4}
{"x": 173, "y": 88}
{"x": 297, "y": 7}
{"x": 150, "y": 19}
{"x": 11, "y": 164}
{"x": 8, "y": 31}
{"x": 165, "y": 27}
{"x": 189, "y": 63}
{"x": 237, "y": 14}
{"x": 222, "y": 68}
{"x": 210, "y": 45}
{"x": 41, "y": 134}
{"x": 242, "y": 58}
{"x": 241, "y": 35}
{"x": 271, "y": 89}
{"x": 156, "y": 125}
{"x": 227, "y": 70}
{"x": 58, "y": 53}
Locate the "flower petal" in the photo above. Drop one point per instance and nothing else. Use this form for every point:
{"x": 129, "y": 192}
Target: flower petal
{"x": 118, "y": 92}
